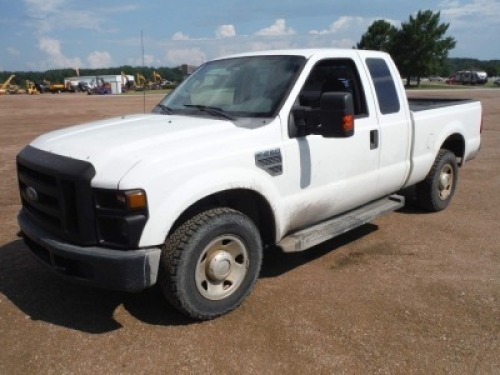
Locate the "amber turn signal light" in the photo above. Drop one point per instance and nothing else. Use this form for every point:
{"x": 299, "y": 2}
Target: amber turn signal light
{"x": 348, "y": 123}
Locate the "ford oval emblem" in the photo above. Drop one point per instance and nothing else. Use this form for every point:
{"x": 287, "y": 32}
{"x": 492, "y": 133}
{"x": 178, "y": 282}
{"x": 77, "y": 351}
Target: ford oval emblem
{"x": 32, "y": 194}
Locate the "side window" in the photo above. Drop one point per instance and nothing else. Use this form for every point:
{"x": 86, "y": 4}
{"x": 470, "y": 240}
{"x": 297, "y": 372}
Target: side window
{"x": 334, "y": 75}
{"x": 387, "y": 95}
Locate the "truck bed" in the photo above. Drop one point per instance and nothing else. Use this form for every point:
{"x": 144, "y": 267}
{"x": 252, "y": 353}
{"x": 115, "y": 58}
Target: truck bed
{"x": 433, "y": 120}
{"x": 422, "y": 104}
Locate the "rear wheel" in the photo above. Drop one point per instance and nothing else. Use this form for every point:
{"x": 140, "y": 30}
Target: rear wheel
{"x": 210, "y": 263}
{"x": 436, "y": 191}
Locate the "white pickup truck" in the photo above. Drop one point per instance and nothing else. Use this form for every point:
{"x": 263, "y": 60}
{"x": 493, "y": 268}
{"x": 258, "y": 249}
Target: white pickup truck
{"x": 286, "y": 148}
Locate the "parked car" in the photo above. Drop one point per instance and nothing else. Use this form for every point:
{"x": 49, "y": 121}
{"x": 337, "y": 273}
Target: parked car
{"x": 436, "y": 78}
{"x": 496, "y": 82}
{"x": 452, "y": 80}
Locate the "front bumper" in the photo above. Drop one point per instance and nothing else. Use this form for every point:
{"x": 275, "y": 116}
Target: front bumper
{"x": 127, "y": 270}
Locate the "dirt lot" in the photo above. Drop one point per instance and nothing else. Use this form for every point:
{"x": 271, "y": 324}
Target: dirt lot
{"x": 412, "y": 293}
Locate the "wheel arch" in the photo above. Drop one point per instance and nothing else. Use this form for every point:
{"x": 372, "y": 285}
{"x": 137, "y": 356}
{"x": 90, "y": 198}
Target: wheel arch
{"x": 456, "y": 144}
{"x": 246, "y": 201}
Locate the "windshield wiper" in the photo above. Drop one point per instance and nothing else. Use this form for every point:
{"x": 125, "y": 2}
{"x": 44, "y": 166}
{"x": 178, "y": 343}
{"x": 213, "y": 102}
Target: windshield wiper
{"x": 163, "y": 108}
{"x": 215, "y": 111}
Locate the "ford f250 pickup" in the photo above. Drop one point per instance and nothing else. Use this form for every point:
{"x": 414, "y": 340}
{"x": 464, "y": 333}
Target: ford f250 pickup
{"x": 286, "y": 148}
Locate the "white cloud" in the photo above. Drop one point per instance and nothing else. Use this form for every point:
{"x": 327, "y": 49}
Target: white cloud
{"x": 225, "y": 31}
{"x": 180, "y": 36}
{"x": 149, "y": 60}
{"x": 260, "y": 45}
{"x": 449, "y": 3}
{"x": 481, "y": 10}
{"x": 277, "y": 29}
{"x": 475, "y": 26}
{"x": 343, "y": 43}
{"x": 83, "y": 20}
{"x": 52, "y": 47}
{"x": 50, "y": 15}
{"x": 43, "y": 6}
{"x": 344, "y": 22}
{"x": 184, "y": 50}
{"x": 56, "y": 59}
{"x": 98, "y": 59}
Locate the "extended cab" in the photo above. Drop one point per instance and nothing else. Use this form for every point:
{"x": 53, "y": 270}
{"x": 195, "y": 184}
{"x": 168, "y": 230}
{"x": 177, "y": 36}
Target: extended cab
{"x": 286, "y": 148}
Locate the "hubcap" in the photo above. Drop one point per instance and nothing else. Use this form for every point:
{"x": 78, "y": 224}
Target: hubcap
{"x": 446, "y": 182}
{"x": 221, "y": 267}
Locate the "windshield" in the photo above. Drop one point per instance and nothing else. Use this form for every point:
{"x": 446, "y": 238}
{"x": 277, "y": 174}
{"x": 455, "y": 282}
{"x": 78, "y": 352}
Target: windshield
{"x": 245, "y": 86}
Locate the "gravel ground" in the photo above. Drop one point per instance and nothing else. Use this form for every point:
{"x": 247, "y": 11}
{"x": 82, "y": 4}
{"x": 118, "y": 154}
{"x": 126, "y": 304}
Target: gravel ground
{"x": 411, "y": 293}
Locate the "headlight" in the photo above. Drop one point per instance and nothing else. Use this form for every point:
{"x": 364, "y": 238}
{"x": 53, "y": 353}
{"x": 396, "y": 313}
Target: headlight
{"x": 128, "y": 200}
{"x": 120, "y": 217}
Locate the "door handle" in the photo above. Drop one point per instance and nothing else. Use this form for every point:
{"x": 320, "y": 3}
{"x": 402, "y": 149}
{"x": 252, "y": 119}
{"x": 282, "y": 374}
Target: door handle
{"x": 373, "y": 139}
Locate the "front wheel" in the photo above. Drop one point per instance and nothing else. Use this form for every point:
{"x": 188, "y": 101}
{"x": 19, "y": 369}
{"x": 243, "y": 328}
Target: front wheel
{"x": 210, "y": 263}
{"x": 435, "y": 192}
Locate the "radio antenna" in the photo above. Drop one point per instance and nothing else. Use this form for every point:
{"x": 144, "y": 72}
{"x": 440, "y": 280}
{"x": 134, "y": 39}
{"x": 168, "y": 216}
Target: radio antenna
{"x": 144, "y": 90}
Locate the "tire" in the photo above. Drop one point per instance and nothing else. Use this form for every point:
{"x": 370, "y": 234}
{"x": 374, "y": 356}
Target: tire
{"x": 210, "y": 263}
{"x": 435, "y": 192}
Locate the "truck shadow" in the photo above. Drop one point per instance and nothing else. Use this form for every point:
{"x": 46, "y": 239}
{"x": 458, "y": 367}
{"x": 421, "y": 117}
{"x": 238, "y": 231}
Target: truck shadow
{"x": 43, "y": 296}
{"x": 276, "y": 262}
{"x": 411, "y": 205}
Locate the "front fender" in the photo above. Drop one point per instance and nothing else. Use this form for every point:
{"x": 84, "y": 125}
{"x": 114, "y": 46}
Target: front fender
{"x": 167, "y": 202}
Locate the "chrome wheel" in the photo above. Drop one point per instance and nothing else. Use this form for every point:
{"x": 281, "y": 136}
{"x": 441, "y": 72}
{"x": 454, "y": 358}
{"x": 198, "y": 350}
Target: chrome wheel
{"x": 221, "y": 267}
{"x": 446, "y": 178}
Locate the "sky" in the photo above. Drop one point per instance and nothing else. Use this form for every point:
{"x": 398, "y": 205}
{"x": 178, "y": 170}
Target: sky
{"x": 39, "y": 35}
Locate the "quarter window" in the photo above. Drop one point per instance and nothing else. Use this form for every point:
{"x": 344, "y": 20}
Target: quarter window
{"x": 385, "y": 88}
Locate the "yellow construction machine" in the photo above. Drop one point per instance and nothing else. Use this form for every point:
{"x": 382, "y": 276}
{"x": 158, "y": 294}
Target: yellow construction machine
{"x": 156, "y": 81}
{"x": 126, "y": 82}
{"x": 55, "y": 88}
{"x": 31, "y": 88}
{"x": 140, "y": 82}
{"x": 5, "y": 88}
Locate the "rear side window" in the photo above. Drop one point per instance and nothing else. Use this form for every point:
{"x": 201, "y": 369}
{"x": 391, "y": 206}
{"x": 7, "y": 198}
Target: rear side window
{"x": 384, "y": 86}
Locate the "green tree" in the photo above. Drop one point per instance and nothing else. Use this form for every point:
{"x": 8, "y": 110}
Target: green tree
{"x": 378, "y": 37}
{"x": 420, "y": 47}
{"x": 491, "y": 69}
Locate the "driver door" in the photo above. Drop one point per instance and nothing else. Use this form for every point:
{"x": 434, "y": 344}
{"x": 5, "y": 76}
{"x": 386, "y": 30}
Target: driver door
{"x": 334, "y": 174}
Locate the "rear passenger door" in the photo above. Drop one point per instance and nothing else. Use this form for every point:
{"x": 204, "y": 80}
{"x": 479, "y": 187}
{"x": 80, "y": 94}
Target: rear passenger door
{"x": 395, "y": 124}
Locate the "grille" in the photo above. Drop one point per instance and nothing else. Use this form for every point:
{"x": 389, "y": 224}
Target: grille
{"x": 56, "y": 194}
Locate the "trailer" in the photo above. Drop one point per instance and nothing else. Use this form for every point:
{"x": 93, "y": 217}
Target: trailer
{"x": 471, "y": 77}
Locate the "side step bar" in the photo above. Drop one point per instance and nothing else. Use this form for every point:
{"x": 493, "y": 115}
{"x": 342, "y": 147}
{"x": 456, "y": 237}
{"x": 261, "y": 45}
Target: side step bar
{"x": 326, "y": 230}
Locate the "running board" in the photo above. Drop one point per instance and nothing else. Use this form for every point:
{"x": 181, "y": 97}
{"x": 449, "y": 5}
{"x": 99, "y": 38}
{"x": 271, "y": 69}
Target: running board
{"x": 326, "y": 230}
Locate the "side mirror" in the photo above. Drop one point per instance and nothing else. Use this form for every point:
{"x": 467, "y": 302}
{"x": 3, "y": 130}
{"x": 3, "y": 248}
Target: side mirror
{"x": 334, "y": 118}
{"x": 336, "y": 115}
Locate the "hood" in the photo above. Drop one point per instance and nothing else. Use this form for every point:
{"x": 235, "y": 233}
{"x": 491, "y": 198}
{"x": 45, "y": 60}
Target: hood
{"x": 116, "y": 145}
